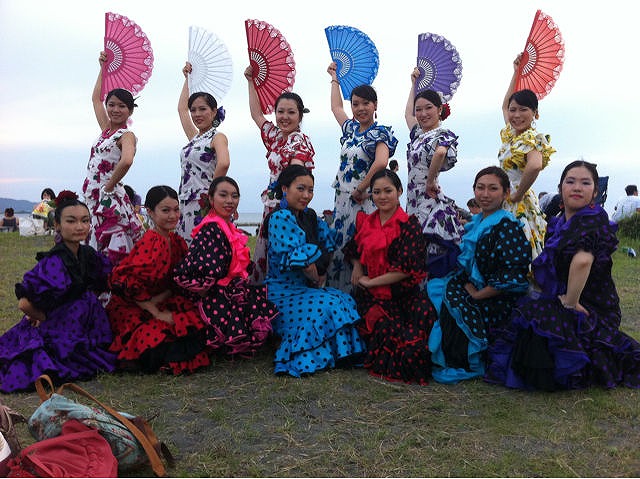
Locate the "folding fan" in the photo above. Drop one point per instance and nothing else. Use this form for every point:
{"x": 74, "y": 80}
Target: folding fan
{"x": 542, "y": 58}
{"x": 129, "y": 55}
{"x": 211, "y": 67}
{"x": 439, "y": 64}
{"x": 271, "y": 58}
{"x": 355, "y": 55}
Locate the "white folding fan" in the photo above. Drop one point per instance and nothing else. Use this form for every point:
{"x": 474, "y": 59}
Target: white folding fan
{"x": 211, "y": 66}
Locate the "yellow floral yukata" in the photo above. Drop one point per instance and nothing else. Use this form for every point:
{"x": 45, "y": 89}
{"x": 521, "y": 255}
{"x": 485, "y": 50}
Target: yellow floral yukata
{"x": 513, "y": 160}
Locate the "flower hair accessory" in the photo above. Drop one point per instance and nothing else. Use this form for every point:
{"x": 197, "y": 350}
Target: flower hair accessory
{"x": 446, "y": 111}
{"x": 220, "y": 116}
{"x": 66, "y": 195}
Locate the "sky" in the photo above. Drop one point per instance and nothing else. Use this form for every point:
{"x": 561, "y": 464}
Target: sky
{"x": 49, "y": 63}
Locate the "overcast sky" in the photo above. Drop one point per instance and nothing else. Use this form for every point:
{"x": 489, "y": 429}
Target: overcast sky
{"x": 49, "y": 52}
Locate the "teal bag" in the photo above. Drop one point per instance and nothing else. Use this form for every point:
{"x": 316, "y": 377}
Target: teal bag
{"x": 133, "y": 442}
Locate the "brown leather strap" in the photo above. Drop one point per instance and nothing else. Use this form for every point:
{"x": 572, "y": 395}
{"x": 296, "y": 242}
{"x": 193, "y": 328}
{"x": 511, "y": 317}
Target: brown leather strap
{"x": 40, "y": 389}
{"x": 154, "y": 457}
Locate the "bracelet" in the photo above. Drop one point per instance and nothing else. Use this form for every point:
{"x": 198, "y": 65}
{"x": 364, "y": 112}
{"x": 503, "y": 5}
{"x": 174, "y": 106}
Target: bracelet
{"x": 107, "y": 193}
{"x": 335, "y": 81}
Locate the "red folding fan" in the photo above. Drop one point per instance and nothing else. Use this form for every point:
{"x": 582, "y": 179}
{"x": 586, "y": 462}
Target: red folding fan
{"x": 129, "y": 55}
{"x": 272, "y": 63}
{"x": 542, "y": 58}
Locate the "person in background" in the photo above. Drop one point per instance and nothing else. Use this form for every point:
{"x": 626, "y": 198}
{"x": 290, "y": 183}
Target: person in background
{"x": 387, "y": 276}
{"x": 627, "y": 206}
{"x": 475, "y": 299}
{"x": 473, "y": 206}
{"x": 216, "y": 271}
{"x": 10, "y": 221}
{"x": 136, "y": 202}
{"x": 286, "y": 145}
{"x": 366, "y": 149}
{"x": 523, "y": 154}
{"x": 156, "y": 326}
{"x": 568, "y": 335}
{"x": 205, "y": 157}
{"x": 115, "y": 226}
{"x": 394, "y": 166}
{"x": 316, "y": 324}
{"x": 65, "y": 331}
{"x": 432, "y": 150}
{"x": 45, "y": 210}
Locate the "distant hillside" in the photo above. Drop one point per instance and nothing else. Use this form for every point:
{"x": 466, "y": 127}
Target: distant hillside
{"x": 19, "y": 206}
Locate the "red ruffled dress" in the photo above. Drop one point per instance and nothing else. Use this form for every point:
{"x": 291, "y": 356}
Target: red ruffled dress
{"x": 141, "y": 338}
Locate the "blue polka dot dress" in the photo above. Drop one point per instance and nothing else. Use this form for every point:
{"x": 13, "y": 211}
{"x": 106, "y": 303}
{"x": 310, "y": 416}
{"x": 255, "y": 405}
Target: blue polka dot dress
{"x": 316, "y": 325}
{"x": 495, "y": 252}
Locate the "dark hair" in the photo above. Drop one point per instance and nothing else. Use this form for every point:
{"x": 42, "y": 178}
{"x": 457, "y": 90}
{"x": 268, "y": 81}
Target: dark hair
{"x": 591, "y": 167}
{"x": 365, "y": 91}
{"x": 472, "y": 203}
{"x": 525, "y": 98}
{"x": 497, "y": 171}
{"x": 8, "y": 211}
{"x": 211, "y": 102}
{"x": 393, "y": 164}
{"x": 64, "y": 199}
{"x": 385, "y": 173}
{"x": 435, "y": 98}
{"x": 630, "y": 189}
{"x": 222, "y": 179}
{"x": 289, "y": 95}
{"x": 288, "y": 175}
{"x": 130, "y": 192}
{"x": 158, "y": 193}
{"x": 124, "y": 96}
{"x": 49, "y": 191}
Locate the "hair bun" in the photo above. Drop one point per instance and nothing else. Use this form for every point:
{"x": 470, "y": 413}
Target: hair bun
{"x": 66, "y": 195}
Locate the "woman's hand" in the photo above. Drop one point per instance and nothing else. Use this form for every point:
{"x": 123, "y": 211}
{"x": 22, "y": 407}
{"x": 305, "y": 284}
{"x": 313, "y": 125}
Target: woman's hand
{"x": 311, "y": 273}
{"x": 165, "y": 317}
{"x": 187, "y": 69}
{"x": 471, "y": 289}
{"x": 33, "y": 321}
{"x": 433, "y": 188}
{"x": 102, "y": 58}
{"x": 516, "y": 62}
{"x": 575, "y": 307}
{"x": 356, "y": 274}
{"x": 332, "y": 70}
{"x": 364, "y": 281}
{"x": 414, "y": 75}
{"x": 248, "y": 73}
{"x": 359, "y": 196}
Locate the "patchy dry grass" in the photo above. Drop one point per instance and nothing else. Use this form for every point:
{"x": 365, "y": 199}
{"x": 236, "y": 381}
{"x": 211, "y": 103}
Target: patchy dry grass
{"x": 237, "y": 419}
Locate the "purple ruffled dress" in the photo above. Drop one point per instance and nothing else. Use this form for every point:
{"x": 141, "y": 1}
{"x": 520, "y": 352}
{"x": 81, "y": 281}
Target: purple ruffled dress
{"x": 73, "y": 342}
{"x": 547, "y": 346}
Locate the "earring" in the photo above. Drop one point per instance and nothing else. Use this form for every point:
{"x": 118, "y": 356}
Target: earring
{"x": 533, "y": 124}
{"x": 284, "y": 204}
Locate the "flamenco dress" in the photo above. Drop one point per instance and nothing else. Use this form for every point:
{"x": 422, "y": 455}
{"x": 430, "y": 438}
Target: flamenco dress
{"x": 215, "y": 270}
{"x": 513, "y": 160}
{"x": 397, "y": 318}
{"x": 115, "y": 225}
{"x": 438, "y": 216}
{"x": 141, "y": 340}
{"x": 281, "y": 152}
{"x": 316, "y": 325}
{"x": 357, "y": 154}
{"x": 547, "y": 346}
{"x": 72, "y": 343}
{"x": 495, "y": 252}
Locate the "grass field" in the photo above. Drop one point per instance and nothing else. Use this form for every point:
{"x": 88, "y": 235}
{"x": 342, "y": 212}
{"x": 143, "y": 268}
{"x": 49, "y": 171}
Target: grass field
{"x": 237, "y": 419}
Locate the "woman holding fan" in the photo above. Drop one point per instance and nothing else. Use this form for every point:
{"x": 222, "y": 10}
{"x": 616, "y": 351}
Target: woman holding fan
{"x": 205, "y": 157}
{"x": 523, "y": 154}
{"x": 366, "y": 149}
{"x": 432, "y": 149}
{"x": 286, "y": 145}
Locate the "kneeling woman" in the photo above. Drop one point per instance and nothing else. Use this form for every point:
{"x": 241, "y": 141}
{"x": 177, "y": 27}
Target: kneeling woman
{"x": 568, "y": 336}
{"x": 477, "y": 297}
{"x": 155, "y": 325}
{"x": 316, "y": 324}
{"x": 387, "y": 273}
{"x": 215, "y": 270}
{"x": 65, "y": 332}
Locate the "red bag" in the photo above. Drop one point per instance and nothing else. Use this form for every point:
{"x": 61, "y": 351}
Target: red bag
{"x": 78, "y": 452}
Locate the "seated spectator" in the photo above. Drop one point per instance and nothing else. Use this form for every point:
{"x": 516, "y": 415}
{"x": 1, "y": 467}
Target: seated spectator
{"x": 10, "y": 221}
{"x": 628, "y": 205}
{"x": 45, "y": 209}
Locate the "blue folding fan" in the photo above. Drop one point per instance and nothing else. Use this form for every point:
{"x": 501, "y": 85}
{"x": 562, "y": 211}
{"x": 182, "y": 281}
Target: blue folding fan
{"x": 439, "y": 64}
{"x": 355, "y": 55}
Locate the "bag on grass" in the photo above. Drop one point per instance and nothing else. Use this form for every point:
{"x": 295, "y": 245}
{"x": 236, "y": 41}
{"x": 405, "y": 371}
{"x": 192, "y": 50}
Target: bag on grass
{"x": 133, "y": 442}
{"x": 79, "y": 451}
{"x": 9, "y": 443}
